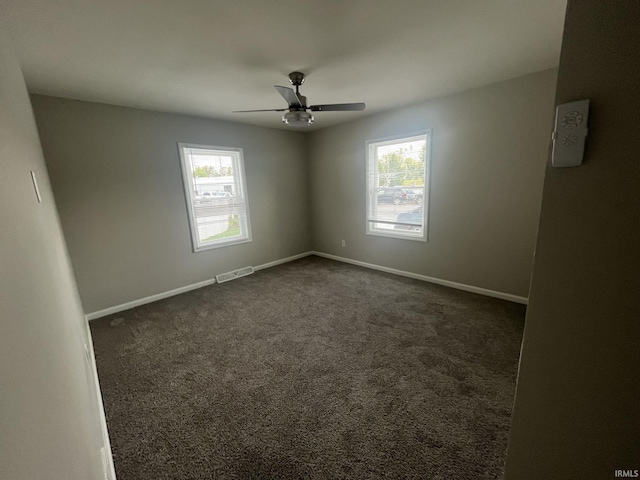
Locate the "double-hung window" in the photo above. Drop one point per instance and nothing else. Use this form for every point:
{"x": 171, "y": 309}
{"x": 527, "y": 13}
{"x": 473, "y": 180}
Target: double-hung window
{"x": 216, "y": 195}
{"x": 398, "y": 186}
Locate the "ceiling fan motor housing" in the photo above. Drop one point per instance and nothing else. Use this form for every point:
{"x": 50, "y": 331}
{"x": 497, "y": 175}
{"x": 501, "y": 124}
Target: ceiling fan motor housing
{"x": 298, "y": 110}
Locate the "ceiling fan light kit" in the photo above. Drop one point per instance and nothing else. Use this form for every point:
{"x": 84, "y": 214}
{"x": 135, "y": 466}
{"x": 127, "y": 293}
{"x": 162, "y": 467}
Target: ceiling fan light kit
{"x": 297, "y": 119}
{"x": 297, "y": 115}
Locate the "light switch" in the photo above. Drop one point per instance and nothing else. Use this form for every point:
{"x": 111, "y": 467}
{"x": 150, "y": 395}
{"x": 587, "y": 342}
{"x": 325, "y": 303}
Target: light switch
{"x": 570, "y": 134}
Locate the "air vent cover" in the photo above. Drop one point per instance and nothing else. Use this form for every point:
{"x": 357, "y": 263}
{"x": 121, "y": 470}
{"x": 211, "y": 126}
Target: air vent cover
{"x": 242, "y": 272}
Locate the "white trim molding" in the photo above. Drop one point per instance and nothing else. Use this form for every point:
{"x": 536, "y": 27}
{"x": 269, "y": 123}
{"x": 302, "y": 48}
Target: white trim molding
{"x": 438, "y": 281}
{"x": 417, "y": 276}
{"x": 107, "y": 456}
{"x": 178, "y": 291}
{"x": 372, "y": 175}
{"x": 125, "y": 306}
{"x": 239, "y": 190}
{"x": 283, "y": 260}
{"x": 149, "y": 299}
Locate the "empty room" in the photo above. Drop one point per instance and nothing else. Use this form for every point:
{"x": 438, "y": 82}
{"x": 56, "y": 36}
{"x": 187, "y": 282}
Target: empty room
{"x": 319, "y": 239}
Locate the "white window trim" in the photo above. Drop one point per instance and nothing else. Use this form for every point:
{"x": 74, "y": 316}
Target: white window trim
{"x": 424, "y": 236}
{"x": 187, "y": 193}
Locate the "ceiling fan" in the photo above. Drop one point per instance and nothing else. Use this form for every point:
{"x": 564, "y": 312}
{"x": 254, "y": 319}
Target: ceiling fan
{"x": 297, "y": 114}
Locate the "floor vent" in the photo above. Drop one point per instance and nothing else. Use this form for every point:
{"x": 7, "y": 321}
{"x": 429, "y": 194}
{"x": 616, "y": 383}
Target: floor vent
{"x": 225, "y": 277}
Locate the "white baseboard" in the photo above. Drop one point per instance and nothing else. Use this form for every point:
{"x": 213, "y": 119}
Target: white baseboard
{"x": 417, "y": 276}
{"x": 438, "y": 281}
{"x": 108, "y": 466}
{"x": 145, "y": 300}
{"x": 178, "y": 291}
{"x": 282, "y": 260}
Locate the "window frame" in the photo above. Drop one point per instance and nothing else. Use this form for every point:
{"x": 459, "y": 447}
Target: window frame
{"x": 188, "y": 185}
{"x": 426, "y": 192}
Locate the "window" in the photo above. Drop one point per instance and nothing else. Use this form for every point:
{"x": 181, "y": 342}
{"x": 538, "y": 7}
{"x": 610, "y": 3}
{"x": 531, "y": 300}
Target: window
{"x": 216, "y": 195}
{"x": 397, "y": 186}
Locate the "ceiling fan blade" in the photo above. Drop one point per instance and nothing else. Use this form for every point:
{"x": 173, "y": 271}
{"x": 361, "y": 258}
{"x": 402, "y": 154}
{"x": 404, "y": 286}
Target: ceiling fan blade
{"x": 338, "y": 107}
{"x": 264, "y": 110}
{"x": 290, "y": 96}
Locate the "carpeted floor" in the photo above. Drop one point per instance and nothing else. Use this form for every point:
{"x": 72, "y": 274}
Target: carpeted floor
{"x": 312, "y": 369}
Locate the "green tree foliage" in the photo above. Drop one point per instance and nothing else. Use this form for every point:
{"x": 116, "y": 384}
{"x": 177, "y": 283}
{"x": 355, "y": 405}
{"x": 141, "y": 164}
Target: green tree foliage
{"x": 399, "y": 168}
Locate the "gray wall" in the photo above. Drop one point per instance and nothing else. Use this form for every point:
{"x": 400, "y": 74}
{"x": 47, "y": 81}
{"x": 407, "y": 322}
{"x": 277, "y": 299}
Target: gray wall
{"x": 49, "y": 418}
{"x": 488, "y": 154}
{"x": 116, "y": 176}
{"x": 117, "y": 180}
{"x": 577, "y": 408}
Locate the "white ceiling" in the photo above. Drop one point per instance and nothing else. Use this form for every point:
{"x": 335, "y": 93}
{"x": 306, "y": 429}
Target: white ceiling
{"x": 211, "y": 57}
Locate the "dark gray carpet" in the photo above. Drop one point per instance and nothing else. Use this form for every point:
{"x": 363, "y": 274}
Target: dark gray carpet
{"x": 312, "y": 369}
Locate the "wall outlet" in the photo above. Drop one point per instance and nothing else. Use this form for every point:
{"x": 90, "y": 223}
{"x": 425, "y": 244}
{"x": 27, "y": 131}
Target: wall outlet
{"x": 344, "y": 244}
